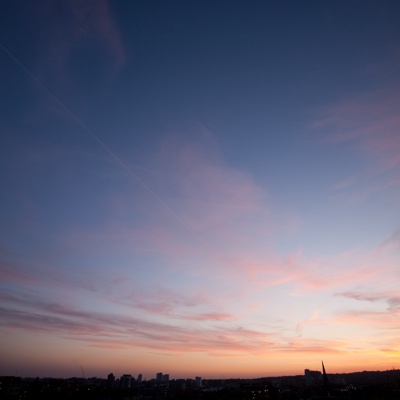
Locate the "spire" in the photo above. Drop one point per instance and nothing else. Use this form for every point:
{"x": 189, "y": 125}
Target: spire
{"x": 325, "y": 377}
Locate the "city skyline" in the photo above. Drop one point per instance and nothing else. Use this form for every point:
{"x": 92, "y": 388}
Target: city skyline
{"x": 205, "y": 188}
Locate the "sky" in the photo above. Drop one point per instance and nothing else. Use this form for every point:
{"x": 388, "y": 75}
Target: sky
{"x": 202, "y": 188}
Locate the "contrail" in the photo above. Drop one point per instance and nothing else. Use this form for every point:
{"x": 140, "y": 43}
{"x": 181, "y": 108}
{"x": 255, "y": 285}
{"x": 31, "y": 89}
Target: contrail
{"x": 90, "y": 132}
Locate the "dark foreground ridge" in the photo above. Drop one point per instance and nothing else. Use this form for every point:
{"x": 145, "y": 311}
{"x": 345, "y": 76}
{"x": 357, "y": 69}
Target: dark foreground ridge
{"x": 312, "y": 385}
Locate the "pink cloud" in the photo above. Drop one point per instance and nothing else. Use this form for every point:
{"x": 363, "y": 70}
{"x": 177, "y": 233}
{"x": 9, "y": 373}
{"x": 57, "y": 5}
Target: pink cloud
{"x": 13, "y": 274}
{"x": 223, "y": 219}
{"x": 368, "y": 124}
{"x": 164, "y": 302}
{"x": 316, "y": 346}
{"x": 210, "y": 316}
{"x": 120, "y": 331}
{"x": 391, "y": 298}
{"x": 377, "y": 329}
{"x": 344, "y": 184}
{"x": 232, "y": 243}
{"x": 360, "y": 267}
{"x": 369, "y": 121}
{"x": 210, "y": 193}
{"x": 382, "y": 322}
{"x": 391, "y": 243}
{"x": 310, "y": 320}
{"x": 112, "y": 331}
{"x": 226, "y": 227}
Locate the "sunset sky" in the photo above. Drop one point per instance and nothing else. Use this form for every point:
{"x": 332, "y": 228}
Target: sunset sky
{"x": 203, "y": 188}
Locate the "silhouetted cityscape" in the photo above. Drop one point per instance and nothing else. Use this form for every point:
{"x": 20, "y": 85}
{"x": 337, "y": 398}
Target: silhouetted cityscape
{"x": 311, "y": 385}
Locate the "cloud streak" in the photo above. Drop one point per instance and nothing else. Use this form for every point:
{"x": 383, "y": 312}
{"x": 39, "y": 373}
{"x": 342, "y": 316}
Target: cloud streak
{"x": 121, "y": 331}
{"x": 369, "y": 124}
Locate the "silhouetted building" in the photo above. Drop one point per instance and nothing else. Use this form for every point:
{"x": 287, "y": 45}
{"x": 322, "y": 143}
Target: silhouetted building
{"x": 110, "y": 381}
{"x": 312, "y": 377}
{"x": 126, "y": 381}
{"x": 165, "y": 378}
{"x": 198, "y": 381}
{"x": 140, "y": 378}
{"x": 159, "y": 376}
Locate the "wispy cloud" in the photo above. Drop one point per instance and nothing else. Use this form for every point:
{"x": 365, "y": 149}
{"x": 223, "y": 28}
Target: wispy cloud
{"x": 12, "y": 273}
{"x": 122, "y": 331}
{"x": 217, "y": 285}
{"x": 368, "y": 123}
{"x": 391, "y": 243}
{"x": 117, "y": 332}
{"x": 80, "y": 21}
{"x": 393, "y": 301}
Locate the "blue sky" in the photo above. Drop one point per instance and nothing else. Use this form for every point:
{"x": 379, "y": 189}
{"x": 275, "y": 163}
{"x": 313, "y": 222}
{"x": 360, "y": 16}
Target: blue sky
{"x": 211, "y": 188}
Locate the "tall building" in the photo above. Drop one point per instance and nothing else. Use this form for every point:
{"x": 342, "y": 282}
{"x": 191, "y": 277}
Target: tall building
{"x": 110, "y": 381}
{"x": 198, "y": 381}
{"x": 165, "y": 378}
{"x": 126, "y": 381}
{"x": 159, "y": 376}
{"x": 140, "y": 378}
